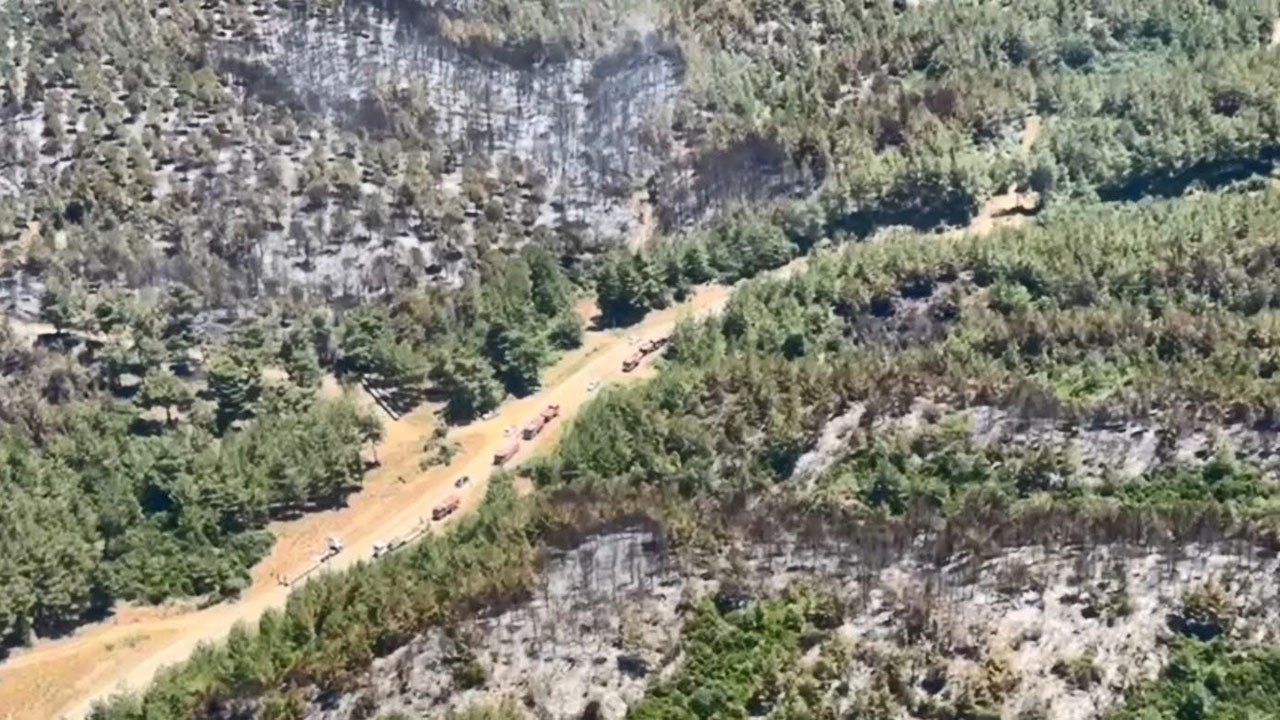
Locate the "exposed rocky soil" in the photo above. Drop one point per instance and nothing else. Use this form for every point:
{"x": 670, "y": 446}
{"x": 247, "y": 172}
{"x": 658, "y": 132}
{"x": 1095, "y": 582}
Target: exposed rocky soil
{"x": 578, "y": 151}
{"x": 561, "y": 145}
{"x": 605, "y": 626}
{"x": 1114, "y": 450}
{"x": 577, "y": 121}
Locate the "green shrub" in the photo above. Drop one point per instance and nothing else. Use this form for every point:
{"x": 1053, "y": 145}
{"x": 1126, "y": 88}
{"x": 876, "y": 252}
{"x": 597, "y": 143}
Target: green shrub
{"x": 1206, "y": 612}
{"x": 1080, "y": 672}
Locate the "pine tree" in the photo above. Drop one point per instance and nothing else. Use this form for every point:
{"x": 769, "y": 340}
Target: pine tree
{"x": 62, "y": 305}
{"x": 235, "y": 380}
{"x": 179, "y": 309}
{"x": 518, "y": 356}
{"x": 567, "y": 332}
{"x": 468, "y": 383}
{"x": 161, "y": 388}
{"x": 552, "y": 293}
{"x": 301, "y": 362}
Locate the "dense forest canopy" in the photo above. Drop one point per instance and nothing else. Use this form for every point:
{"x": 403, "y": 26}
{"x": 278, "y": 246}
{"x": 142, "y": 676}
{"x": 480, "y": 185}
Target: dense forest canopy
{"x": 108, "y": 500}
{"x": 150, "y": 454}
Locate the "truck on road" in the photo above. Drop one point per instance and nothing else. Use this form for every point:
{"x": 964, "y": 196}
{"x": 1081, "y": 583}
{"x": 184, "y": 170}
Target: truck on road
{"x": 551, "y": 412}
{"x": 506, "y": 453}
{"x": 648, "y": 347}
{"x": 446, "y": 508}
{"x": 651, "y": 346}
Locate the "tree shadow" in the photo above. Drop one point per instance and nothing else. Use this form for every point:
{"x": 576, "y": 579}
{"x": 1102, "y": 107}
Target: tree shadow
{"x": 397, "y": 401}
{"x": 1209, "y": 175}
{"x": 100, "y": 608}
{"x": 619, "y": 319}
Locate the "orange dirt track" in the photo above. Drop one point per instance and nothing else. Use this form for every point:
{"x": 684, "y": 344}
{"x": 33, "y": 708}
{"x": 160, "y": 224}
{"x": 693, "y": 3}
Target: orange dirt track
{"x": 63, "y": 677}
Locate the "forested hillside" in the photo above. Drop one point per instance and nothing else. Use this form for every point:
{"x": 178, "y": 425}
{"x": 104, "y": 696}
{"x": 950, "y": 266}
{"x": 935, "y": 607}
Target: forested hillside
{"x": 945, "y": 421}
{"x": 1030, "y": 414}
{"x": 912, "y": 113}
{"x": 1155, "y": 319}
{"x": 149, "y": 436}
{"x": 366, "y": 149}
{"x": 160, "y": 495}
{"x": 143, "y": 460}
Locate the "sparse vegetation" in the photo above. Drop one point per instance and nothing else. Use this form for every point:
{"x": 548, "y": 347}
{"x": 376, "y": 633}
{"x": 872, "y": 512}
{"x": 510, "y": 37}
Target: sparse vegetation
{"x": 1206, "y": 613}
{"x": 739, "y": 660}
{"x": 1079, "y": 671}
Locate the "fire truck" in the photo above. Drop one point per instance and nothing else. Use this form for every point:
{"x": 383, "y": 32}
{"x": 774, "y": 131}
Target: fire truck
{"x": 551, "y": 412}
{"x": 506, "y": 453}
{"x": 446, "y": 508}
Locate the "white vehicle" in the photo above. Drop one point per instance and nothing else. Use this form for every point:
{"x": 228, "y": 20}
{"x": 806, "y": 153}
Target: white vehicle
{"x": 593, "y": 386}
{"x": 335, "y": 544}
{"x": 379, "y": 549}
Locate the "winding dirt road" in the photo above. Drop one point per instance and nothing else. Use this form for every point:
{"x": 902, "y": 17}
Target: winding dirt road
{"x": 64, "y": 677}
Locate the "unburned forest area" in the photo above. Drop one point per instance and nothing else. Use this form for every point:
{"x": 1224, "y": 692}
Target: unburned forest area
{"x": 651, "y": 359}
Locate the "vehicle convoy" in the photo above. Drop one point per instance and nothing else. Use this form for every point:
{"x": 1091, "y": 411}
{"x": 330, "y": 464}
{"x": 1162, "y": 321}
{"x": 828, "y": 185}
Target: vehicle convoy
{"x": 446, "y": 508}
{"x": 647, "y": 347}
{"x": 506, "y": 453}
{"x": 551, "y": 412}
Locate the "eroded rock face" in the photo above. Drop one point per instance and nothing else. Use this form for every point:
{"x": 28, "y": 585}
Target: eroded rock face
{"x": 606, "y": 624}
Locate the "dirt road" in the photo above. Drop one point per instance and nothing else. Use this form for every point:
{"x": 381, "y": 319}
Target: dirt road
{"x": 64, "y": 677}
